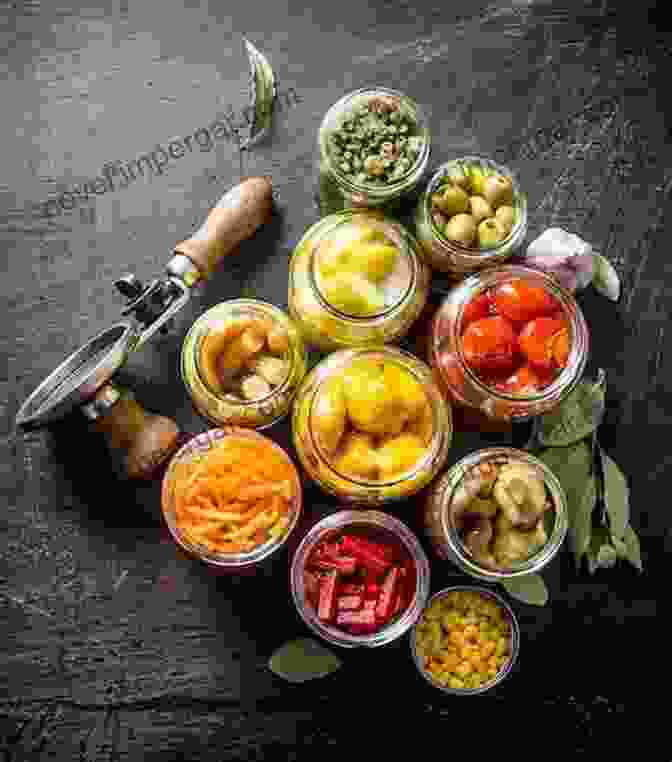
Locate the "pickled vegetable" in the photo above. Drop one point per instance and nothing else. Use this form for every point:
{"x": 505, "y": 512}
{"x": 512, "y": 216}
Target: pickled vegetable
{"x": 236, "y": 496}
{"x": 374, "y": 421}
{"x": 330, "y": 414}
{"x": 363, "y": 583}
{"x": 463, "y": 640}
{"x": 244, "y": 356}
{"x": 515, "y": 337}
{"x": 508, "y": 527}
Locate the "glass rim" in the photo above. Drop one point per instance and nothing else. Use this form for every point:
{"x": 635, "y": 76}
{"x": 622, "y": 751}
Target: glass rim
{"x": 520, "y": 204}
{"x": 398, "y": 356}
{"x": 422, "y": 125}
{"x": 541, "y": 557}
{"x": 208, "y": 440}
{"x": 367, "y": 518}
{"x": 515, "y": 637}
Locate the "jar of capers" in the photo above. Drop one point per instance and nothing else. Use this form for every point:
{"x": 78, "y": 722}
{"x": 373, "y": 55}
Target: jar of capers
{"x": 373, "y": 147}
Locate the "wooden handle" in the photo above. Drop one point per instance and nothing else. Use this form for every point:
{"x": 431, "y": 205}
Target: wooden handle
{"x": 140, "y": 440}
{"x": 236, "y": 217}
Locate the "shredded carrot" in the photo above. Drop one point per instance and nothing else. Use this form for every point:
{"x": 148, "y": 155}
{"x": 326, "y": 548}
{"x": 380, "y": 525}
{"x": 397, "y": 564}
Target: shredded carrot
{"x": 232, "y": 498}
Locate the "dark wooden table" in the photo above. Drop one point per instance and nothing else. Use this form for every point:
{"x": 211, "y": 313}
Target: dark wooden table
{"x": 114, "y": 648}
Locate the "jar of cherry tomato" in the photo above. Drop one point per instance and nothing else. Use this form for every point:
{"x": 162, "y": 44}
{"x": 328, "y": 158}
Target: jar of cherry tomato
{"x": 510, "y": 342}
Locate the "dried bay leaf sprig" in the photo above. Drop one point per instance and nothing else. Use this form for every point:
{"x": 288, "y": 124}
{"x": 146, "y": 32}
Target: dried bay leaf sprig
{"x": 598, "y": 497}
{"x": 262, "y": 95}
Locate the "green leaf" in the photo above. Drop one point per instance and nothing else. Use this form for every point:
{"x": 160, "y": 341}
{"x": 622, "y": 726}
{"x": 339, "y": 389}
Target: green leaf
{"x": 263, "y": 94}
{"x": 605, "y": 278}
{"x": 576, "y": 417}
{"x": 616, "y": 497}
{"x": 572, "y": 466}
{"x": 634, "y": 553}
{"x": 529, "y": 589}
{"x": 620, "y": 547}
{"x": 303, "y": 659}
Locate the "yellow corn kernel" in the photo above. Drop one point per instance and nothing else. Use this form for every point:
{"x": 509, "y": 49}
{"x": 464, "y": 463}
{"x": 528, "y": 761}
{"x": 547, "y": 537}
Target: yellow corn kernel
{"x": 455, "y": 683}
{"x": 502, "y": 647}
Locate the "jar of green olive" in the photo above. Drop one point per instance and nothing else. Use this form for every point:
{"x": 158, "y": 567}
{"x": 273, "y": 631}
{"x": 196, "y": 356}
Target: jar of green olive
{"x": 373, "y": 147}
{"x": 472, "y": 215}
{"x": 356, "y": 279}
{"x": 242, "y": 362}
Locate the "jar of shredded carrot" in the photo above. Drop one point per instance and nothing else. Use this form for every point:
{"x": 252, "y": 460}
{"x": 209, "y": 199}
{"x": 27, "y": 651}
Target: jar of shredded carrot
{"x": 231, "y": 497}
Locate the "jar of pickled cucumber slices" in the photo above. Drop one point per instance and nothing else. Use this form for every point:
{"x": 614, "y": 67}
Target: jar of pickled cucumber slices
{"x": 242, "y": 362}
{"x": 371, "y": 425}
{"x": 356, "y": 279}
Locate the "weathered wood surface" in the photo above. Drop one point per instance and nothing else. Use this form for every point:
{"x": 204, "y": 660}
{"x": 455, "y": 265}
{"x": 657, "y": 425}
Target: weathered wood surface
{"x": 112, "y": 647}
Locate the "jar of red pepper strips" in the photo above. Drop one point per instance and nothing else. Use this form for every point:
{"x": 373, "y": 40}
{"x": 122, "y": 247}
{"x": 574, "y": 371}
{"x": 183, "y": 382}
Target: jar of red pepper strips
{"x": 360, "y": 578}
{"x": 510, "y": 342}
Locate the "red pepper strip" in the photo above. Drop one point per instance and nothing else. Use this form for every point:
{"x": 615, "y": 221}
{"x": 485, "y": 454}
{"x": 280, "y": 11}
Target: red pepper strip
{"x": 387, "y": 595}
{"x": 358, "y": 622}
{"x": 371, "y": 561}
{"x": 327, "y": 550}
{"x": 384, "y": 552}
{"x": 311, "y": 584}
{"x": 399, "y": 604}
{"x": 344, "y": 564}
{"x": 350, "y": 589}
{"x": 371, "y": 590}
{"x": 349, "y": 602}
{"x": 327, "y": 607}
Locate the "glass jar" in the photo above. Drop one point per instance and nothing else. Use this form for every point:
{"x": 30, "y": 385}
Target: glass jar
{"x": 514, "y": 641}
{"x": 322, "y": 467}
{"x": 192, "y": 452}
{"x": 337, "y": 190}
{"x": 334, "y": 525}
{"x": 444, "y": 535}
{"x": 404, "y": 290}
{"x": 463, "y": 385}
{"x": 224, "y": 408}
{"x": 451, "y": 257}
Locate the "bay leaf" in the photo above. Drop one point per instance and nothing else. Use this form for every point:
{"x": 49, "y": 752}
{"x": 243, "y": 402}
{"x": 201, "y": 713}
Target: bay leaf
{"x": 616, "y": 496}
{"x": 576, "y": 417}
{"x": 634, "y": 552}
{"x": 572, "y": 466}
{"x": 303, "y": 659}
{"x": 262, "y": 95}
{"x": 605, "y": 278}
{"x": 529, "y": 589}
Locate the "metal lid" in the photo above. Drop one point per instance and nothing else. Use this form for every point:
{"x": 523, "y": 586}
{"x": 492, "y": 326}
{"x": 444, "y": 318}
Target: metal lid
{"x": 78, "y": 378}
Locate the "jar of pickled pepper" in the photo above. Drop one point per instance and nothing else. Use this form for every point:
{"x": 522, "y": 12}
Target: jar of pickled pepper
{"x": 356, "y": 279}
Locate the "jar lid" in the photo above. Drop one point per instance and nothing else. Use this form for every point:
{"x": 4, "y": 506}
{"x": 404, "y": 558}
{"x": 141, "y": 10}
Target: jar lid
{"x": 361, "y": 268}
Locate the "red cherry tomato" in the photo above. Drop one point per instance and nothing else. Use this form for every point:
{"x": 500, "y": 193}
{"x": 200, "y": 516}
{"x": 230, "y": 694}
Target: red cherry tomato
{"x": 490, "y": 345}
{"x": 478, "y": 308}
{"x": 520, "y": 301}
{"x": 537, "y": 340}
{"x": 526, "y": 380}
{"x": 561, "y": 347}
